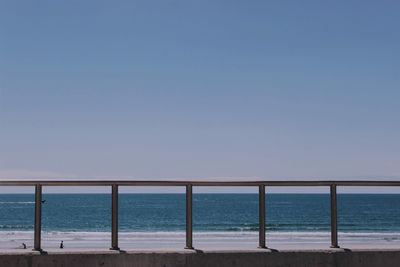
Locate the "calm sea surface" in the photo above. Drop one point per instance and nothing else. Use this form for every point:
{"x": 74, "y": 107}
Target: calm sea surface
{"x": 212, "y": 212}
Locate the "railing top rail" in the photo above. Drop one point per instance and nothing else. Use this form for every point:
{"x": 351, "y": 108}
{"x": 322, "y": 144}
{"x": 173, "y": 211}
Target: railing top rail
{"x": 196, "y": 183}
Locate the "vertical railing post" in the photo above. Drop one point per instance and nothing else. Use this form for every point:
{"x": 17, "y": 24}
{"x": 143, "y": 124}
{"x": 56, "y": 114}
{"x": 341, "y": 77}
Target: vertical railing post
{"x": 189, "y": 217}
{"x": 38, "y": 218}
{"x": 334, "y": 230}
{"x": 261, "y": 216}
{"x": 114, "y": 217}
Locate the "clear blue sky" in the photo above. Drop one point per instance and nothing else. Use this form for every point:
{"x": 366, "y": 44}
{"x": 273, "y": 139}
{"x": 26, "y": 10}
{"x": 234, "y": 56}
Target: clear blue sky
{"x": 193, "y": 89}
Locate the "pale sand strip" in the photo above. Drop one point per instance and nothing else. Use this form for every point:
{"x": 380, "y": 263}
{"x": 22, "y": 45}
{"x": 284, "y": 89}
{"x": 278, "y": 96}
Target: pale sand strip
{"x": 203, "y": 241}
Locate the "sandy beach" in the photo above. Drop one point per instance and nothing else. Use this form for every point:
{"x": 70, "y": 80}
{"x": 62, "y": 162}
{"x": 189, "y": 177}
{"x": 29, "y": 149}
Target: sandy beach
{"x": 202, "y": 240}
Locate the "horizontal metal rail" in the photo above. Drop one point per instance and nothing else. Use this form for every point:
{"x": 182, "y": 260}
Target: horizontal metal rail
{"x": 115, "y": 184}
{"x": 193, "y": 183}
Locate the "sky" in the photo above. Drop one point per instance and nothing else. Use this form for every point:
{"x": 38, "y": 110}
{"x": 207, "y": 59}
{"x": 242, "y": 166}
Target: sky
{"x": 166, "y": 89}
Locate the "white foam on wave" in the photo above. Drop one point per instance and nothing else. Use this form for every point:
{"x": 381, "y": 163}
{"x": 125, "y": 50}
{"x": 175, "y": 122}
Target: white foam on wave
{"x": 212, "y": 235}
{"x": 17, "y": 202}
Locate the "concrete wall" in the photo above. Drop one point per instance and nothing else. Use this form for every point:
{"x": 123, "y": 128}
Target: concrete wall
{"x": 383, "y": 258}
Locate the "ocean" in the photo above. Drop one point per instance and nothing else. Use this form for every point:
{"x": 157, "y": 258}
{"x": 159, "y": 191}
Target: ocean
{"x": 288, "y": 216}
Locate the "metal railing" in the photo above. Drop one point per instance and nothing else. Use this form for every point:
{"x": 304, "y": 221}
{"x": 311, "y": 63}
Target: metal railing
{"x": 38, "y": 184}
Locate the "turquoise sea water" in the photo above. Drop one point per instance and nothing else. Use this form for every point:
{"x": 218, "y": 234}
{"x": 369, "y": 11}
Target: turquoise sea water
{"x": 212, "y": 212}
